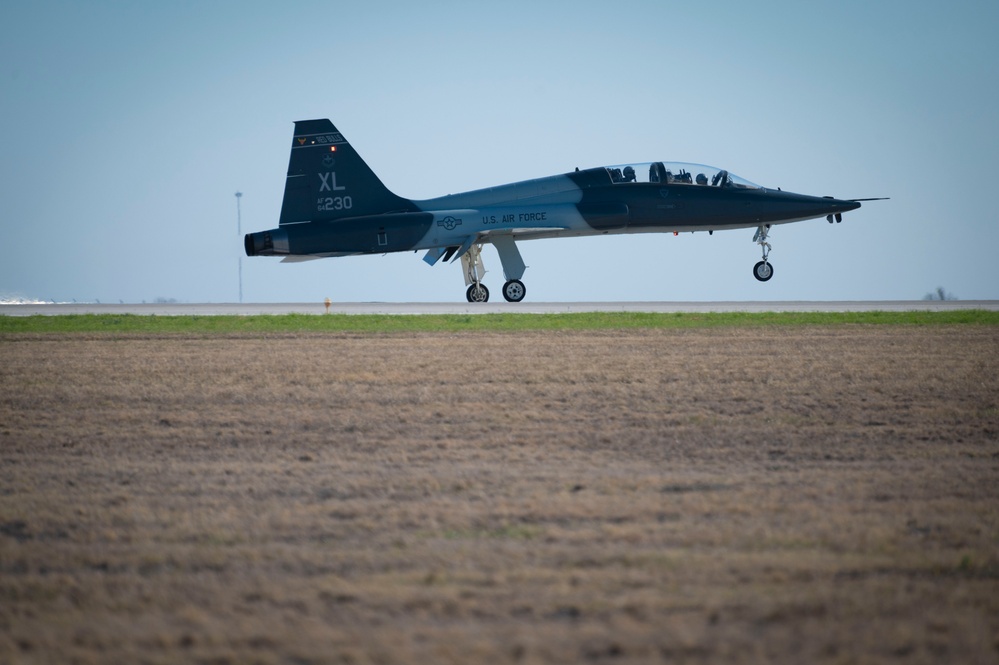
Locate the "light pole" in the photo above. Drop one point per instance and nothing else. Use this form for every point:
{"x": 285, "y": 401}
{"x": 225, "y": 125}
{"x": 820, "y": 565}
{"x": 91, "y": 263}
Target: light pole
{"x": 239, "y": 234}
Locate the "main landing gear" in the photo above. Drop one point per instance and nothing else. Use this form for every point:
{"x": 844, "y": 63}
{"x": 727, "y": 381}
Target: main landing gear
{"x": 477, "y": 293}
{"x": 514, "y": 290}
{"x": 513, "y": 266}
{"x": 763, "y": 271}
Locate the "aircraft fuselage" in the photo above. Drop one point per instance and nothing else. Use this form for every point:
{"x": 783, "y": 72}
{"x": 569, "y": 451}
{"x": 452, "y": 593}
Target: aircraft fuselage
{"x": 334, "y": 205}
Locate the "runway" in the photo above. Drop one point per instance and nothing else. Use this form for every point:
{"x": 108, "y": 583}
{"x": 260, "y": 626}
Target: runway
{"x": 238, "y": 309}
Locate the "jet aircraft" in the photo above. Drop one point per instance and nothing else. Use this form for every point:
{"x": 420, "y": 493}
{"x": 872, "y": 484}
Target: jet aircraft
{"x": 335, "y": 205}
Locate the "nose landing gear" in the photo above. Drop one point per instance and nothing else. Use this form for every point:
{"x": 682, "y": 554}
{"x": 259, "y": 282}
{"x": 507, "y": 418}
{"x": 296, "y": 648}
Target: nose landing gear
{"x": 763, "y": 271}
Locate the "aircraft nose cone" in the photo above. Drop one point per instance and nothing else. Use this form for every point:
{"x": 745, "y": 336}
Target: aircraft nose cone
{"x": 840, "y": 205}
{"x": 788, "y": 206}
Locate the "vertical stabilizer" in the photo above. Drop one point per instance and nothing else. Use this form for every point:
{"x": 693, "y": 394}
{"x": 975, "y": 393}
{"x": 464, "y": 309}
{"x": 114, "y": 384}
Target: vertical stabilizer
{"x": 328, "y": 180}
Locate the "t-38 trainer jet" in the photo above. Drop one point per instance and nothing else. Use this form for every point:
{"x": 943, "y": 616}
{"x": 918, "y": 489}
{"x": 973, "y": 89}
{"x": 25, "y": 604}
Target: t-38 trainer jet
{"x": 334, "y": 205}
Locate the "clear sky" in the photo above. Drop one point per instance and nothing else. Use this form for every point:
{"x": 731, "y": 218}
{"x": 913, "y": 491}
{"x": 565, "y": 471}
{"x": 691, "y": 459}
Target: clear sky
{"x": 127, "y": 127}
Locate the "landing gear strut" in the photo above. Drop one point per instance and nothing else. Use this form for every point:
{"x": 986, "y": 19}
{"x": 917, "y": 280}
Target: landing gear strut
{"x": 474, "y": 271}
{"x": 763, "y": 271}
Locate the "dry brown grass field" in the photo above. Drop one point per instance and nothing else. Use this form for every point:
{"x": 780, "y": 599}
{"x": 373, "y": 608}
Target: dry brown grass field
{"x": 793, "y": 494}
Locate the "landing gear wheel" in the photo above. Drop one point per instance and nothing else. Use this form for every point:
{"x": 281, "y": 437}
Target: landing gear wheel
{"x": 514, "y": 290}
{"x": 477, "y": 293}
{"x": 763, "y": 271}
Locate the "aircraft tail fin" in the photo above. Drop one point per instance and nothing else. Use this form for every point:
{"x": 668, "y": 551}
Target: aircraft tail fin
{"x": 328, "y": 180}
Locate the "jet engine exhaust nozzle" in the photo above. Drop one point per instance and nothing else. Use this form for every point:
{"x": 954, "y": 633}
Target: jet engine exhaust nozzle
{"x": 266, "y": 243}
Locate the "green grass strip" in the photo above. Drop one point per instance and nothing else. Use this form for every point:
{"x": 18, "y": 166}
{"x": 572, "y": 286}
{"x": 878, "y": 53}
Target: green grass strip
{"x": 295, "y": 323}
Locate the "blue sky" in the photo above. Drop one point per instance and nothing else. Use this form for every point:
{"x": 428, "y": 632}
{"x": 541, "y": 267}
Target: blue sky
{"x": 127, "y": 127}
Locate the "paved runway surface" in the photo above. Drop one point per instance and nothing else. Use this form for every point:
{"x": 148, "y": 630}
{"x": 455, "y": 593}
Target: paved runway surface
{"x": 236, "y": 309}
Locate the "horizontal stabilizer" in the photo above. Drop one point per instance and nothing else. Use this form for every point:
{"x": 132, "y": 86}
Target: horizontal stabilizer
{"x": 299, "y": 258}
{"x": 433, "y": 255}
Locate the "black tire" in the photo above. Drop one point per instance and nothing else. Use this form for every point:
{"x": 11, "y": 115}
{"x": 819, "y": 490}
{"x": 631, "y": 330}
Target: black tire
{"x": 514, "y": 290}
{"x": 763, "y": 271}
{"x": 477, "y": 293}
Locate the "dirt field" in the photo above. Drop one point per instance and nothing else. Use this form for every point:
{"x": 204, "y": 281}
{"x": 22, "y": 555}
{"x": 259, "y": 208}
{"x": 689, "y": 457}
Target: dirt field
{"x": 786, "y": 494}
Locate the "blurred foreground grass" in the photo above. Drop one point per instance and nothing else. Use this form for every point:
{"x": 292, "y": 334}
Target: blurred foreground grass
{"x": 294, "y": 323}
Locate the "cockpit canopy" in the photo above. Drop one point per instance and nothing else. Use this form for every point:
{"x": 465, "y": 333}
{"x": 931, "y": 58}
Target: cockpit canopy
{"x": 677, "y": 173}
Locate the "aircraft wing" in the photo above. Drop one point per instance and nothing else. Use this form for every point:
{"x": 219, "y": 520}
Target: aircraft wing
{"x": 487, "y": 236}
{"x": 454, "y": 252}
{"x": 526, "y": 231}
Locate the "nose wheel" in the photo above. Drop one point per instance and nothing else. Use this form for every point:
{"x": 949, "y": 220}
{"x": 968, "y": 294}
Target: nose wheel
{"x": 763, "y": 271}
